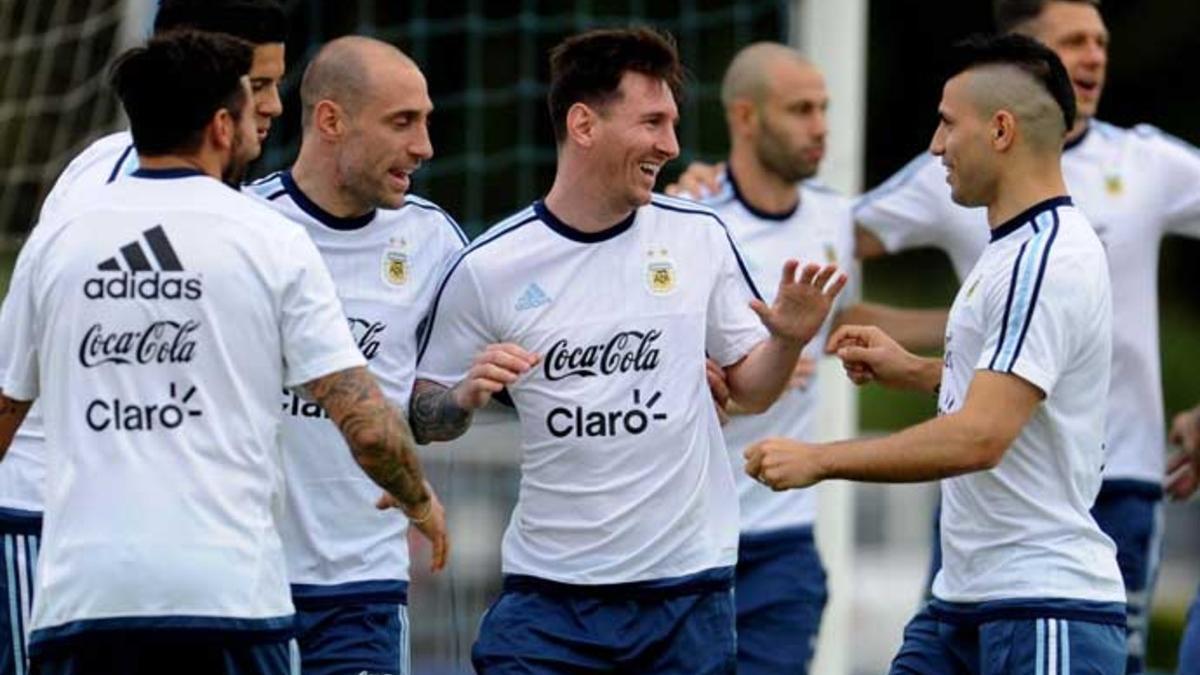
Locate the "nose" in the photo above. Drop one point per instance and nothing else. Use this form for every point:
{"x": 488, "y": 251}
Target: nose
{"x": 421, "y": 146}
{"x": 667, "y": 143}
{"x": 820, "y": 126}
{"x": 937, "y": 145}
{"x": 269, "y": 104}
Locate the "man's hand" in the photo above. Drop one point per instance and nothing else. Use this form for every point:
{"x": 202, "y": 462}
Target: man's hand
{"x": 496, "y": 367}
{"x": 698, "y": 180}
{"x": 719, "y": 388}
{"x": 782, "y": 464}
{"x": 802, "y": 303}
{"x": 1183, "y": 467}
{"x": 868, "y": 354}
{"x": 430, "y": 520}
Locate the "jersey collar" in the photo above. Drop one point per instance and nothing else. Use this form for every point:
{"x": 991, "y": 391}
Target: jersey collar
{"x": 324, "y": 217}
{"x": 756, "y": 212}
{"x": 553, "y": 222}
{"x": 1075, "y": 143}
{"x": 1013, "y": 224}
{"x": 162, "y": 174}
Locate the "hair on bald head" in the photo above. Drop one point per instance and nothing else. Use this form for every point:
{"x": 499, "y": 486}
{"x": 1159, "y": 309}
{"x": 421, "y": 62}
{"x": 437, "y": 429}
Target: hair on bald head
{"x": 748, "y": 72}
{"x": 340, "y": 72}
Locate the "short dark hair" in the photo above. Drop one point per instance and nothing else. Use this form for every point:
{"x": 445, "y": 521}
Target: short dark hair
{"x": 172, "y": 87}
{"x": 588, "y": 67}
{"x": 1027, "y": 55}
{"x": 256, "y": 21}
{"x": 1010, "y": 14}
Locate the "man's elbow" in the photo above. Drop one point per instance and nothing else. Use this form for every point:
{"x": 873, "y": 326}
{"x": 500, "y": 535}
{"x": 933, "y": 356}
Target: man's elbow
{"x": 985, "y": 445}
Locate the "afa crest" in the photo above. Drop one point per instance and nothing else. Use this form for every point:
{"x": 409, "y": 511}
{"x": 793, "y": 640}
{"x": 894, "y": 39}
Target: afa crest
{"x": 1113, "y": 184}
{"x": 661, "y": 276}
{"x": 395, "y": 267}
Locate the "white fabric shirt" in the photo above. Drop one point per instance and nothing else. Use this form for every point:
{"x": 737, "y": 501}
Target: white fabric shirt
{"x": 1135, "y": 186}
{"x": 161, "y": 318}
{"x": 624, "y": 474}
{"x": 819, "y": 230}
{"x": 23, "y": 470}
{"x": 386, "y": 266}
{"x": 1037, "y": 305}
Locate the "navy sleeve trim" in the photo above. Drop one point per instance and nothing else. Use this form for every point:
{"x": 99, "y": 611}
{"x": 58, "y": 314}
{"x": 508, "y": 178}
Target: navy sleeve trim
{"x": 1037, "y": 288}
{"x": 430, "y": 206}
{"x": 728, "y": 237}
{"x": 120, "y": 162}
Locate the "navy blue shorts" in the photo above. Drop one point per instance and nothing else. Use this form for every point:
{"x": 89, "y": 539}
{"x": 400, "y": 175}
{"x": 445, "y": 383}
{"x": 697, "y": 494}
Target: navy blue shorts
{"x": 780, "y": 594}
{"x": 1130, "y": 513}
{"x": 151, "y": 653}
{"x": 685, "y": 626}
{"x": 21, "y": 535}
{"x": 1011, "y": 638}
{"x": 353, "y": 638}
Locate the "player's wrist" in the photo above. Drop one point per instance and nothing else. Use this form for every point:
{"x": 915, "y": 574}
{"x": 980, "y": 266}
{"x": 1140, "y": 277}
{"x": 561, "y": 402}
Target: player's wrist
{"x": 419, "y": 512}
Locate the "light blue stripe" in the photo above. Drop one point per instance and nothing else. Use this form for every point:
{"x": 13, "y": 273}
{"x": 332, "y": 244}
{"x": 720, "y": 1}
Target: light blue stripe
{"x": 1022, "y": 303}
{"x": 14, "y": 603}
{"x": 294, "y": 657}
{"x": 1065, "y": 646}
{"x": 1040, "y": 654}
{"x": 405, "y": 657}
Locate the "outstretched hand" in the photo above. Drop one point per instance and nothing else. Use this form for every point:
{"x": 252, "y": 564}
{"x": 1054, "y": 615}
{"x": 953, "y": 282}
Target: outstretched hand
{"x": 699, "y": 180}
{"x": 430, "y": 521}
{"x": 1183, "y": 467}
{"x": 802, "y": 302}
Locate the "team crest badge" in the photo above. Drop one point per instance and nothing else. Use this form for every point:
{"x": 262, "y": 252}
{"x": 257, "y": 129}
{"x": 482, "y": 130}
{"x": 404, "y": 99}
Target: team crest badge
{"x": 1113, "y": 184}
{"x": 395, "y": 264}
{"x": 661, "y": 276}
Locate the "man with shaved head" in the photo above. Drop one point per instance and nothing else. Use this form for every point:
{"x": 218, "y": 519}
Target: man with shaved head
{"x": 365, "y": 118}
{"x": 775, "y": 102}
{"x": 1029, "y": 583}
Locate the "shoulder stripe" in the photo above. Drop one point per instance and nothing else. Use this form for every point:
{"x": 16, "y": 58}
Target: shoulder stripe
{"x": 699, "y": 210}
{"x": 271, "y": 176}
{"x": 426, "y": 327}
{"x": 413, "y": 200}
{"x": 276, "y": 194}
{"x": 1028, "y": 272}
{"x": 120, "y": 162}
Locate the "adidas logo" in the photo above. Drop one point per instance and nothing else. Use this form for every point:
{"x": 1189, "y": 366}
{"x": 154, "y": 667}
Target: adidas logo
{"x": 533, "y": 297}
{"x": 141, "y": 278}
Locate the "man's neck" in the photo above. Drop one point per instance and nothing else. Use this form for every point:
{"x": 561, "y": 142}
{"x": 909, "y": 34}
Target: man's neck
{"x": 318, "y": 179}
{"x": 1077, "y": 131}
{"x": 581, "y": 199}
{"x": 1021, "y": 189}
{"x": 760, "y": 188}
{"x": 204, "y": 163}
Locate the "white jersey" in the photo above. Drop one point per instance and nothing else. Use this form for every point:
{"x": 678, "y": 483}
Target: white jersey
{"x": 386, "y": 266}
{"x": 624, "y": 474}
{"x": 160, "y": 320}
{"x": 1037, "y": 305}
{"x": 1135, "y": 186}
{"x": 819, "y": 230}
{"x": 23, "y": 470}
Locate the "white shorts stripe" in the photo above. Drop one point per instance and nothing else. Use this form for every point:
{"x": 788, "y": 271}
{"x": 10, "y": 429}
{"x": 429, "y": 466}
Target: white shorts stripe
{"x": 14, "y": 603}
{"x": 405, "y": 657}
{"x": 1065, "y": 639}
{"x": 1052, "y": 648}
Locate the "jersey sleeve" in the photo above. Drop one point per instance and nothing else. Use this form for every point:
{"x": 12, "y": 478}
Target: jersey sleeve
{"x": 1036, "y": 310}
{"x": 314, "y": 334}
{"x": 733, "y": 329}
{"x": 454, "y": 331}
{"x": 19, "y": 329}
{"x": 907, "y": 210}
{"x": 1179, "y": 171}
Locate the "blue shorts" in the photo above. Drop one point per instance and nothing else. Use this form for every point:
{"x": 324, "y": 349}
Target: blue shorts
{"x": 1014, "y": 638}
{"x": 349, "y": 636}
{"x": 152, "y": 653}
{"x": 1130, "y": 513}
{"x": 683, "y": 626}
{"x": 21, "y": 534}
{"x": 1189, "y": 647}
{"x": 780, "y": 594}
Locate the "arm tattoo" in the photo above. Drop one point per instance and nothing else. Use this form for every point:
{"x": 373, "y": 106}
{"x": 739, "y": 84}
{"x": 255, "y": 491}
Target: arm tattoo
{"x": 434, "y": 414}
{"x": 12, "y": 413}
{"x": 376, "y": 432}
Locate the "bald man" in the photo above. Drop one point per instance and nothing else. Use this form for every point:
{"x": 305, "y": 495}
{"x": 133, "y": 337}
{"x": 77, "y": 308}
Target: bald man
{"x": 1029, "y": 583}
{"x": 365, "y": 132}
{"x": 775, "y": 103}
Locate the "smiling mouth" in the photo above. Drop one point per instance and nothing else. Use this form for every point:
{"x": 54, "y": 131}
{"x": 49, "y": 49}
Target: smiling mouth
{"x": 649, "y": 170}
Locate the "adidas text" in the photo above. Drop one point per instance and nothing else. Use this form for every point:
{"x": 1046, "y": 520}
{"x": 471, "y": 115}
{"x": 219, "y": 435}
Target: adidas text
{"x": 142, "y": 286}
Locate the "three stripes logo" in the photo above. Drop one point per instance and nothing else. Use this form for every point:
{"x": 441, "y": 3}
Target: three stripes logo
{"x": 134, "y": 275}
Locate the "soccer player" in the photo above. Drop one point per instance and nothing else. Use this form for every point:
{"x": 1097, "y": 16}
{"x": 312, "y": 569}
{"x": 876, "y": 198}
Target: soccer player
{"x": 1028, "y": 581}
{"x": 1135, "y": 186}
{"x": 158, "y": 322}
{"x": 775, "y": 102}
{"x": 1183, "y": 477}
{"x": 261, "y": 22}
{"x": 365, "y": 120}
{"x": 600, "y": 302}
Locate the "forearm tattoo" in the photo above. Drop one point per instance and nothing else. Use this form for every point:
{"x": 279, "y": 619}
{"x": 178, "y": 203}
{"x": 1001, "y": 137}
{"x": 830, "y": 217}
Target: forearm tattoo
{"x": 376, "y": 432}
{"x": 434, "y": 414}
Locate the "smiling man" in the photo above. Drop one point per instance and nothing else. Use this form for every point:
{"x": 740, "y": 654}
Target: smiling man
{"x": 600, "y": 302}
{"x": 366, "y": 131}
{"x": 1028, "y": 583}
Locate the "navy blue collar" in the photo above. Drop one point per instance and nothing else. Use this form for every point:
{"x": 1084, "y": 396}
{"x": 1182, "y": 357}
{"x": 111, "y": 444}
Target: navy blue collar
{"x": 1074, "y": 143}
{"x": 756, "y": 212}
{"x": 324, "y": 217}
{"x": 172, "y": 172}
{"x": 552, "y": 221}
{"x": 1013, "y": 224}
